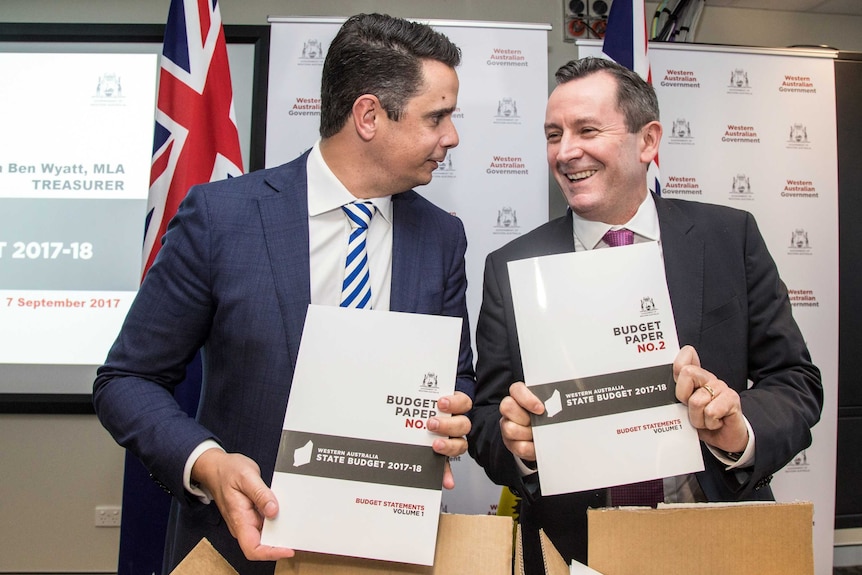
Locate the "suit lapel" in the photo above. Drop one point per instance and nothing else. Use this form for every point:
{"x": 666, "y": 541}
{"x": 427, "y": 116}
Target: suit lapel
{"x": 683, "y": 253}
{"x": 562, "y": 235}
{"x": 406, "y": 254}
{"x": 284, "y": 217}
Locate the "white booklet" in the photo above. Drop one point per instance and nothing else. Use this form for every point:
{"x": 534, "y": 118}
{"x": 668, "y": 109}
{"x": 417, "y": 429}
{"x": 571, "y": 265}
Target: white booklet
{"x": 598, "y": 340}
{"x": 355, "y": 473}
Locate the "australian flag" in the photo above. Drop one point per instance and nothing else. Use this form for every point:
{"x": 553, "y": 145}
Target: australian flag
{"x": 195, "y": 141}
{"x": 627, "y": 44}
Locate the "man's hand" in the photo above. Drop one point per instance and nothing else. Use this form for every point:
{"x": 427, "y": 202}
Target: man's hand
{"x": 515, "y": 426}
{"x": 242, "y": 498}
{"x": 453, "y": 429}
{"x": 713, "y": 407}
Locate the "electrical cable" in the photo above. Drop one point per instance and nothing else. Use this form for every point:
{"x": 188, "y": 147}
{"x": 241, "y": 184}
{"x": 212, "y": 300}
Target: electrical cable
{"x": 679, "y": 25}
{"x": 660, "y": 9}
{"x": 669, "y": 30}
{"x": 689, "y": 21}
{"x": 696, "y": 20}
{"x": 682, "y": 32}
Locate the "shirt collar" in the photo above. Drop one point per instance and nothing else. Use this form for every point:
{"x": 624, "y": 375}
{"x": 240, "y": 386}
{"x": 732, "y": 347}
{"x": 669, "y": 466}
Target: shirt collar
{"x": 644, "y": 224}
{"x": 327, "y": 193}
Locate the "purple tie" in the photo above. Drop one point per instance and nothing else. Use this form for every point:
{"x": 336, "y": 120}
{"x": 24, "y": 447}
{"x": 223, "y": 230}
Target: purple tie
{"x": 621, "y": 237}
{"x": 647, "y": 492}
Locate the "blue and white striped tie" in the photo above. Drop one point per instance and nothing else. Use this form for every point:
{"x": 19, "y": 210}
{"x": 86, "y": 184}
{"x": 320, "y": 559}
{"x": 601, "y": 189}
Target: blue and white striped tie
{"x": 356, "y": 289}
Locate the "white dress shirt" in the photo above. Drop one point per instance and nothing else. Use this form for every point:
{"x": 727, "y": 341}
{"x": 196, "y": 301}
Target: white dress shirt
{"x": 328, "y": 233}
{"x": 328, "y": 236}
{"x": 588, "y": 236}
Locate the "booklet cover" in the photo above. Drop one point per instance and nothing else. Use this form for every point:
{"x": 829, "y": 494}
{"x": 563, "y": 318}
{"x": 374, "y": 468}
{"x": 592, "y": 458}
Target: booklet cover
{"x": 355, "y": 473}
{"x": 598, "y": 340}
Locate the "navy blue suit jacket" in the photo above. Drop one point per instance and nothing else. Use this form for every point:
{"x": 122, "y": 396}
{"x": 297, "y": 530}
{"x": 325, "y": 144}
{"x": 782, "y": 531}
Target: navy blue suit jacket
{"x": 232, "y": 277}
{"x": 728, "y": 302}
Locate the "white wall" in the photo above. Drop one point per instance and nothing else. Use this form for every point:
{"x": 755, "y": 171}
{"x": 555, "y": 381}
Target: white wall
{"x": 54, "y": 470}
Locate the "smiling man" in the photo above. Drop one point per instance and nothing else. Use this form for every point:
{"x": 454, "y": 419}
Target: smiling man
{"x": 732, "y": 313}
{"x": 243, "y": 259}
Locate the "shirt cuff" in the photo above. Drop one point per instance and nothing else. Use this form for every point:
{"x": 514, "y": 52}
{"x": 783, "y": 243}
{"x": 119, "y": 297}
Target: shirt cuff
{"x": 744, "y": 460}
{"x": 522, "y": 468}
{"x": 198, "y": 491}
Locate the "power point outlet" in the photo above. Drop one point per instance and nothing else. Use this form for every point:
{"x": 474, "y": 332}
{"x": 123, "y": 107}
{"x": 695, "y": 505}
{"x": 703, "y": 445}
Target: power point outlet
{"x": 108, "y": 516}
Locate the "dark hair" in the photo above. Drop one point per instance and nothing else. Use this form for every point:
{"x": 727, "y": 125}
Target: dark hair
{"x": 636, "y": 99}
{"x": 381, "y": 55}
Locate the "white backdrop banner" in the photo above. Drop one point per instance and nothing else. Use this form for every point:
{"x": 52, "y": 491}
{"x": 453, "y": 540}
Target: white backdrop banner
{"x": 496, "y": 181}
{"x": 755, "y": 129}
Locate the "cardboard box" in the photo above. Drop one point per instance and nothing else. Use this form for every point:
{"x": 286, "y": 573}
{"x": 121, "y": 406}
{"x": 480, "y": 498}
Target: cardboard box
{"x": 709, "y": 539}
{"x": 466, "y": 544}
{"x": 204, "y": 560}
{"x": 554, "y": 562}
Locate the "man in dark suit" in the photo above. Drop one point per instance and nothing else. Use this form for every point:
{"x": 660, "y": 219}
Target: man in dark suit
{"x": 732, "y": 313}
{"x": 243, "y": 259}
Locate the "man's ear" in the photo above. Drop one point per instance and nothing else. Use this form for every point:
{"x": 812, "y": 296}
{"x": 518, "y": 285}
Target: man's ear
{"x": 366, "y": 112}
{"x": 650, "y": 140}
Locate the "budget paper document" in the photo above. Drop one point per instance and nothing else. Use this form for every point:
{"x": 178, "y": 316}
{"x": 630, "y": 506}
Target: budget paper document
{"x": 355, "y": 473}
{"x": 598, "y": 340}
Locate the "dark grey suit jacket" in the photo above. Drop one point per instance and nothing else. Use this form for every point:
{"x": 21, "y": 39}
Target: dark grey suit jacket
{"x": 233, "y": 278}
{"x": 728, "y": 302}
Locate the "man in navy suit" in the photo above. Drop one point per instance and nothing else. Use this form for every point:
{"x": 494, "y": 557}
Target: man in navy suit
{"x": 243, "y": 259}
{"x": 732, "y": 314}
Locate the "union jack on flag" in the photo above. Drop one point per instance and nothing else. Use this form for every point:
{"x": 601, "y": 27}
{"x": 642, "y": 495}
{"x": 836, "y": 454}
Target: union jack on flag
{"x": 196, "y": 138}
{"x": 196, "y": 141}
{"x": 626, "y": 44}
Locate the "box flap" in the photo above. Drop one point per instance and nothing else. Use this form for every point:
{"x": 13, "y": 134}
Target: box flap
{"x": 465, "y": 544}
{"x": 720, "y": 539}
{"x": 204, "y": 560}
{"x": 518, "y": 566}
{"x": 554, "y": 563}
